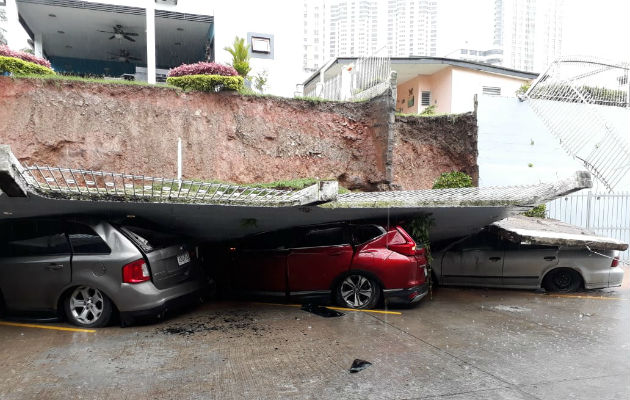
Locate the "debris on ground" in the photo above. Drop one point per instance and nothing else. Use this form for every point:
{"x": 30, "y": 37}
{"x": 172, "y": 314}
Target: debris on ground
{"x": 359, "y": 365}
{"x": 321, "y": 311}
{"x": 225, "y": 322}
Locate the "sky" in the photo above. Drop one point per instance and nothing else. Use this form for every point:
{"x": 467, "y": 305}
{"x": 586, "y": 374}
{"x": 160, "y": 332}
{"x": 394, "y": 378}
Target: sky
{"x": 592, "y": 28}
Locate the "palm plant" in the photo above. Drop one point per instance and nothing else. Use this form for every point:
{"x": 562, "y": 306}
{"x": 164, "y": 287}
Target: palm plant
{"x": 240, "y": 56}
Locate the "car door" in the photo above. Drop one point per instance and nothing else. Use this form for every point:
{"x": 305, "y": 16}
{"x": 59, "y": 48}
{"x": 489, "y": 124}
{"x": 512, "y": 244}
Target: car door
{"x": 321, "y": 255}
{"x": 523, "y": 263}
{"x": 34, "y": 263}
{"x": 477, "y": 260}
{"x": 260, "y": 264}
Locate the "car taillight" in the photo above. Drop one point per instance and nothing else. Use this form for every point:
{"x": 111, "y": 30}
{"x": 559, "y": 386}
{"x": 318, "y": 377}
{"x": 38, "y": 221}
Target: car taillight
{"x": 136, "y": 272}
{"x": 615, "y": 262}
{"x": 407, "y": 249}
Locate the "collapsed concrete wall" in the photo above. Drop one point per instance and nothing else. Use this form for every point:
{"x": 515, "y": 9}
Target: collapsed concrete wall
{"x": 226, "y": 136}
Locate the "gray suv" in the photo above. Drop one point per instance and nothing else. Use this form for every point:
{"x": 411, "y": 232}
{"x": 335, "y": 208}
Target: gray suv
{"x": 89, "y": 269}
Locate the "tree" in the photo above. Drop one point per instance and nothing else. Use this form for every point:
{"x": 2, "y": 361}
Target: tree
{"x": 240, "y": 56}
{"x": 3, "y": 18}
{"x": 260, "y": 81}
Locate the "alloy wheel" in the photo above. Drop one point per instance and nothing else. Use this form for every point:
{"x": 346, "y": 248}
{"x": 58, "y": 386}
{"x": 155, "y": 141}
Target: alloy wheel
{"x": 86, "y": 304}
{"x": 357, "y": 291}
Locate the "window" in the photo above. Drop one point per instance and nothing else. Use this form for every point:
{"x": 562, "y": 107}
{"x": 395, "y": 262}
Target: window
{"x": 319, "y": 237}
{"x": 32, "y": 238}
{"x": 426, "y": 98}
{"x": 149, "y": 240}
{"x": 85, "y": 241}
{"x": 261, "y": 45}
{"x": 491, "y": 90}
{"x": 365, "y": 233}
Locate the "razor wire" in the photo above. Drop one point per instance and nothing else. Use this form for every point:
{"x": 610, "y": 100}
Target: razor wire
{"x": 100, "y": 185}
{"x": 581, "y": 101}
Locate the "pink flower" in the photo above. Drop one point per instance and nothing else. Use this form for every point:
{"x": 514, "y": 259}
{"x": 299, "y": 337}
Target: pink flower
{"x": 7, "y": 52}
{"x": 203, "y": 68}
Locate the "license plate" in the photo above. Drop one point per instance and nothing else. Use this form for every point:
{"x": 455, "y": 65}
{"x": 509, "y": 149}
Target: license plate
{"x": 183, "y": 258}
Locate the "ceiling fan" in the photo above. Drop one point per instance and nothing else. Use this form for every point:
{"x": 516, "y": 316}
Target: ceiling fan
{"x": 123, "y": 56}
{"x": 119, "y": 33}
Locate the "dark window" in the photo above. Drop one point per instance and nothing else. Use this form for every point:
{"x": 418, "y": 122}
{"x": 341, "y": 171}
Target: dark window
{"x": 85, "y": 241}
{"x": 269, "y": 241}
{"x": 148, "y": 239}
{"x": 481, "y": 241}
{"x": 426, "y": 98}
{"x": 365, "y": 233}
{"x": 319, "y": 237}
{"x": 33, "y": 238}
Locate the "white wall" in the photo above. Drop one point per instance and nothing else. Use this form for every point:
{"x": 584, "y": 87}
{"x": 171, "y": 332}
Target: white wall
{"x": 282, "y": 19}
{"x": 466, "y": 83}
{"x": 511, "y": 137}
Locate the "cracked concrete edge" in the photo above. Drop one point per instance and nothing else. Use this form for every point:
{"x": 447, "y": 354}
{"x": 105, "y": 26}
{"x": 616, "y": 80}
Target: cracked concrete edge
{"x": 11, "y": 182}
{"x": 546, "y": 192}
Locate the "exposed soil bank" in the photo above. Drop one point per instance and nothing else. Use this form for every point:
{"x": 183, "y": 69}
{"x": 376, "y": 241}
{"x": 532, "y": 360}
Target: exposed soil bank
{"x": 226, "y": 136}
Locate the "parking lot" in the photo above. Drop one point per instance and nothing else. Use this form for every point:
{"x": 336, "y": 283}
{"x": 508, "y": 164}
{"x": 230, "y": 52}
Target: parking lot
{"x": 462, "y": 344}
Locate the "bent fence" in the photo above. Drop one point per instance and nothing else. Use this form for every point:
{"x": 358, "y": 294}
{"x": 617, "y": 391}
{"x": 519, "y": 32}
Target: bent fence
{"x": 364, "y": 79}
{"x": 607, "y": 214}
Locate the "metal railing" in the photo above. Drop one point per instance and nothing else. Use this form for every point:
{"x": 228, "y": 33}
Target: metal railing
{"x": 363, "y": 79}
{"x": 94, "y": 185}
{"x": 607, "y": 214}
{"x": 585, "y": 102}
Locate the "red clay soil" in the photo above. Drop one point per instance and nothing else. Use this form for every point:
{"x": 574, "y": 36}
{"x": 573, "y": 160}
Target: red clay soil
{"x": 226, "y": 136}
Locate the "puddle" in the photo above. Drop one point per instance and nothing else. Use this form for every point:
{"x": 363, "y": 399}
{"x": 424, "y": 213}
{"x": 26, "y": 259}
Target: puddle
{"x": 511, "y": 308}
{"x": 359, "y": 365}
{"x": 321, "y": 311}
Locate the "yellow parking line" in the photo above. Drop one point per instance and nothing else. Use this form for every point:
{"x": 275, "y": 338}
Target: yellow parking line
{"x": 336, "y": 308}
{"x": 577, "y": 296}
{"x": 56, "y": 328}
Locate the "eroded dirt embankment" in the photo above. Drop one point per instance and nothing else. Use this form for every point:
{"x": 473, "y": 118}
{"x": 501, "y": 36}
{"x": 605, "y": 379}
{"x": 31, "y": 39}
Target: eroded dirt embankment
{"x": 225, "y": 136}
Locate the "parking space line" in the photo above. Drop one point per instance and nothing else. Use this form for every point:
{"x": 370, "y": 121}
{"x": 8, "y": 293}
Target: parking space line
{"x": 336, "y": 308}
{"x": 578, "y": 296}
{"x": 56, "y": 328}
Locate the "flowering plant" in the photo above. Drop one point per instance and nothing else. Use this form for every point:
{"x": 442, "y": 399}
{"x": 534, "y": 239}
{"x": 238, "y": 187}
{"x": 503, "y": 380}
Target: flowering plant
{"x": 202, "y": 68}
{"x": 7, "y": 52}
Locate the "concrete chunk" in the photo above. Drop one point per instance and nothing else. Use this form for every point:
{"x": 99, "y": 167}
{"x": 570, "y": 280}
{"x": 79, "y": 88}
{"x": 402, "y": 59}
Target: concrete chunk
{"x": 11, "y": 182}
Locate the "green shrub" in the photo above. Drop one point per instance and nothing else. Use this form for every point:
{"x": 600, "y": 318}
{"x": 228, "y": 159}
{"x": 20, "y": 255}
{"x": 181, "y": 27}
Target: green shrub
{"x": 21, "y": 67}
{"x": 428, "y": 111}
{"x": 240, "y": 56}
{"x": 537, "y": 212}
{"x": 206, "y": 83}
{"x": 453, "y": 180}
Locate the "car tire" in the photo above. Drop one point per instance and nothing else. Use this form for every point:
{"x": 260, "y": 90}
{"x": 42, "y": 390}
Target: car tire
{"x": 357, "y": 290}
{"x": 562, "y": 280}
{"x": 88, "y": 307}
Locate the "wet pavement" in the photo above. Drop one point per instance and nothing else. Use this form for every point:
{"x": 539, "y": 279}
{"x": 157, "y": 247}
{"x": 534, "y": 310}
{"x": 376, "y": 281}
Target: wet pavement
{"x": 463, "y": 344}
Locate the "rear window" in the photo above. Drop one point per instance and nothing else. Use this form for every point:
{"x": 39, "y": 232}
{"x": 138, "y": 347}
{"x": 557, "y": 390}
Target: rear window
{"x": 365, "y": 233}
{"x": 85, "y": 241}
{"x": 148, "y": 239}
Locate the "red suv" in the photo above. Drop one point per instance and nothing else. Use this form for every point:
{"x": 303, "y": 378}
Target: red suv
{"x": 358, "y": 265}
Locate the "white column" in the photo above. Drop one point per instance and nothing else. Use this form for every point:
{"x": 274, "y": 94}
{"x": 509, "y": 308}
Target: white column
{"x": 13, "y": 26}
{"x": 39, "y": 45}
{"x": 150, "y": 41}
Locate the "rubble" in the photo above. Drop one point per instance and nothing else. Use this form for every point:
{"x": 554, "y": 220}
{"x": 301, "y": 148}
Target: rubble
{"x": 551, "y": 232}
